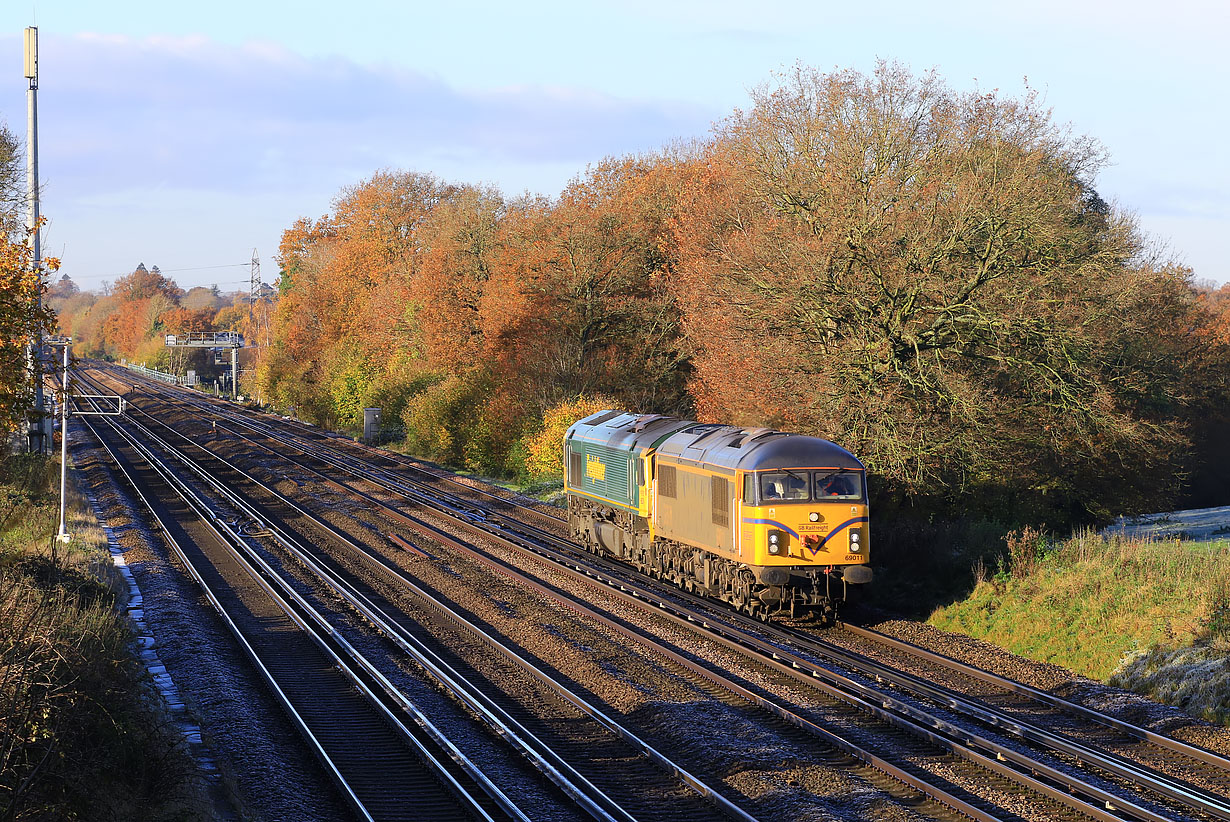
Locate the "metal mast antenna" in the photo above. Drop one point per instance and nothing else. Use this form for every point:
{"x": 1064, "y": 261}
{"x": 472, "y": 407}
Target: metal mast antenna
{"x": 37, "y": 442}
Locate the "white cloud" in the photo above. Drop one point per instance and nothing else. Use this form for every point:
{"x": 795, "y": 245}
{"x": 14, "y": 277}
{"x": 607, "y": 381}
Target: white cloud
{"x": 181, "y": 151}
{"x": 189, "y": 112}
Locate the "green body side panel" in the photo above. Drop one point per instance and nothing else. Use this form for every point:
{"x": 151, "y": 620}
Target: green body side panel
{"x": 606, "y": 473}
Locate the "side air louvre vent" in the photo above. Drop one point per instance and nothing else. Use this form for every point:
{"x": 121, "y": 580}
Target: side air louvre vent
{"x": 719, "y": 489}
{"x": 666, "y": 481}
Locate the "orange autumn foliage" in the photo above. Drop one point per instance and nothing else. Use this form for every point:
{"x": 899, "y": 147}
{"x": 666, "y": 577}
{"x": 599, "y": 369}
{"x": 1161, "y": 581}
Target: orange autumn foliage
{"x": 926, "y": 276}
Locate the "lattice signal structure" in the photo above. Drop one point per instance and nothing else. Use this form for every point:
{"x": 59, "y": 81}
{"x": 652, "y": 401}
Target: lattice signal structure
{"x": 215, "y": 340}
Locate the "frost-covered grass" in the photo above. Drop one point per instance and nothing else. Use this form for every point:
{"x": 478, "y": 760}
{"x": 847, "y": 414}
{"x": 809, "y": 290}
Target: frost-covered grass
{"x": 1195, "y": 678}
{"x": 1155, "y": 614}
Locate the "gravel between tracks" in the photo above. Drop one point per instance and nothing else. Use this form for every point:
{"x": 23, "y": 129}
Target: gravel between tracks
{"x": 1116, "y": 702}
{"x": 265, "y": 769}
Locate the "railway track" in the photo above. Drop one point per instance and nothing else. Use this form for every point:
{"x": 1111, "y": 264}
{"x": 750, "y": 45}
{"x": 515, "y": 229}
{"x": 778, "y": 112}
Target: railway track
{"x": 647, "y": 784}
{"x": 395, "y": 771}
{"x": 997, "y": 740}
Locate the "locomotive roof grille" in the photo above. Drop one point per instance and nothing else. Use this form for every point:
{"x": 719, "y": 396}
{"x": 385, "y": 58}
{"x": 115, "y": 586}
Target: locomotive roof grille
{"x": 605, "y": 416}
{"x": 710, "y": 432}
{"x": 645, "y": 420}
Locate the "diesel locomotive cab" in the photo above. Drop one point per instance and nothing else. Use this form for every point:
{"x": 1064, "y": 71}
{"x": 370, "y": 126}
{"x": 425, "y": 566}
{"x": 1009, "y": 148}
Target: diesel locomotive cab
{"x": 769, "y": 521}
{"x": 803, "y": 486}
{"x": 812, "y": 515}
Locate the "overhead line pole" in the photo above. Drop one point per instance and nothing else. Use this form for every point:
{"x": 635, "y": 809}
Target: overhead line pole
{"x": 37, "y": 442}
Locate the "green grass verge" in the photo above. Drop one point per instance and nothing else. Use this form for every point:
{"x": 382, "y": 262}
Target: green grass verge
{"x": 1151, "y": 616}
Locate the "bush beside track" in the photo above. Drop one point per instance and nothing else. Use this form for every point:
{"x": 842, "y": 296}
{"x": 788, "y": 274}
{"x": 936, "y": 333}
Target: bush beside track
{"x": 84, "y": 735}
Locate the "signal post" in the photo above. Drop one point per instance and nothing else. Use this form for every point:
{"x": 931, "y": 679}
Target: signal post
{"x": 218, "y": 340}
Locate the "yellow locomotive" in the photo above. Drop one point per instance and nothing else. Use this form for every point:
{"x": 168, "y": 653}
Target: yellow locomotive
{"x": 773, "y": 523}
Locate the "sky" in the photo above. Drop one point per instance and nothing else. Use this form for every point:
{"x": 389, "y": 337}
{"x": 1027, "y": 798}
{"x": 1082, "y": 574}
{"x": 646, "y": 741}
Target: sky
{"x": 188, "y": 135}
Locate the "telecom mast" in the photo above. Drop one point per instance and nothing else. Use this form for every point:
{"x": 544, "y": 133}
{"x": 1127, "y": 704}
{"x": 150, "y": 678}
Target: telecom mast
{"x": 38, "y": 441}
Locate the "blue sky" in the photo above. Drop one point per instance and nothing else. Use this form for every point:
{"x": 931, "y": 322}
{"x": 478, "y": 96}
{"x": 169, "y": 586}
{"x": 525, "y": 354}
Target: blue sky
{"x": 185, "y": 135}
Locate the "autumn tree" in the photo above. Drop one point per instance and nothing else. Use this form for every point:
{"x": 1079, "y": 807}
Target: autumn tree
{"x": 21, "y": 317}
{"x": 458, "y": 239}
{"x": 527, "y": 304}
{"x": 62, "y": 289}
{"x": 345, "y": 315}
{"x": 143, "y": 283}
{"x": 202, "y": 297}
{"x": 1207, "y": 359}
{"x": 931, "y": 279}
{"x": 600, "y": 315}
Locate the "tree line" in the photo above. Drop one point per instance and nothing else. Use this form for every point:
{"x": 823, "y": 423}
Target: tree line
{"x": 130, "y": 318}
{"x": 928, "y": 277}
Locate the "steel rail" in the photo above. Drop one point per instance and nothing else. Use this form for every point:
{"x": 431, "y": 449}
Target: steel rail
{"x": 266, "y": 676}
{"x": 1201, "y": 803}
{"x": 1059, "y": 703}
{"x": 1195, "y": 799}
{"x": 386, "y": 626}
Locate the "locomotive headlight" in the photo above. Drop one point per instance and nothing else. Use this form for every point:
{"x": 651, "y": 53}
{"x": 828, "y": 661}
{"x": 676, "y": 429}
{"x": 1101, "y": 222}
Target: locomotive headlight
{"x": 775, "y": 543}
{"x": 814, "y": 517}
{"x": 854, "y": 538}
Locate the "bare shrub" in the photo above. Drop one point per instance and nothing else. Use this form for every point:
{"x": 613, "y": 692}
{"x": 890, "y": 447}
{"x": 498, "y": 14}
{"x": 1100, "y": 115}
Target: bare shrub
{"x": 1026, "y": 550}
{"x": 979, "y": 571}
{"x": 81, "y": 735}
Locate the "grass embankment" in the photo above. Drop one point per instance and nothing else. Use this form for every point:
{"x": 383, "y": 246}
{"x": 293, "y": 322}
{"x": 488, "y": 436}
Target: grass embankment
{"x": 1150, "y": 616}
{"x": 82, "y": 734}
